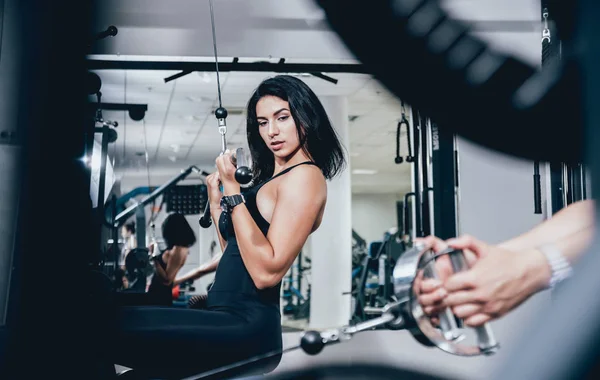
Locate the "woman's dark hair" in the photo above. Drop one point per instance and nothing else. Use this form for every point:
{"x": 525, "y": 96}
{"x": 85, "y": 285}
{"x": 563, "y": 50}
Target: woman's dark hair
{"x": 177, "y": 231}
{"x": 317, "y": 137}
{"x": 130, "y": 227}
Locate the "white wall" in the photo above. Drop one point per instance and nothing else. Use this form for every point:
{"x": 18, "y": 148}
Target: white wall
{"x": 330, "y": 246}
{"x": 496, "y": 203}
{"x": 373, "y": 214}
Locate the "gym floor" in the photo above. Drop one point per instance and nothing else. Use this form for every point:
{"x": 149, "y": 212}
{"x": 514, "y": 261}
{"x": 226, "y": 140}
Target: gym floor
{"x": 399, "y": 348}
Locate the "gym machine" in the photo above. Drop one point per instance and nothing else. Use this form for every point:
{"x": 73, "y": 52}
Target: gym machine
{"x": 242, "y": 174}
{"x": 430, "y": 208}
{"x": 138, "y": 262}
{"x": 99, "y": 167}
{"x": 568, "y": 181}
{"x": 432, "y": 205}
{"x": 406, "y": 312}
{"x": 373, "y": 276}
{"x": 297, "y": 305}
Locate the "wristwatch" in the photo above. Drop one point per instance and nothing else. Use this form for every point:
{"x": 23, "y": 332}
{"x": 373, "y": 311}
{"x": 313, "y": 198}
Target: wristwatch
{"x": 228, "y": 202}
{"x": 560, "y": 267}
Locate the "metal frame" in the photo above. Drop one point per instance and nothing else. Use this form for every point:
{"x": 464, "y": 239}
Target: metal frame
{"x": 235, "y": 65}
{"x": 125, "y": 214}
{"x": 444, "y": 182}
{"x": 415, "y": 125}
{"x": 427, "y": 226}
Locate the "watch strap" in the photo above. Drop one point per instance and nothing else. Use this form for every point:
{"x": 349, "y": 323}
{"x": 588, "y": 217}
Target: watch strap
{"x": 561, "y": 268}
{"x": 234, "y": 200}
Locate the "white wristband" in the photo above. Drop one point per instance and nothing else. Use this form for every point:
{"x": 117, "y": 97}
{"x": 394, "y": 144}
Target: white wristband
{"x": 560, "y": 267}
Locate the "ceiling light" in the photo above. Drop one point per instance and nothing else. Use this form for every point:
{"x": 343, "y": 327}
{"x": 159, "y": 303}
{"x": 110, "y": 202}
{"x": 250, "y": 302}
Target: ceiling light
{"x": 173, "y": 158}
{"x": 194, "y": 118}
{"x": 205, "y": 77}
{"x": 364, "y": 171}
{"x": 300, "y": 75}
{"x": 194, "y": 98}
{"x": 175, "y": 148}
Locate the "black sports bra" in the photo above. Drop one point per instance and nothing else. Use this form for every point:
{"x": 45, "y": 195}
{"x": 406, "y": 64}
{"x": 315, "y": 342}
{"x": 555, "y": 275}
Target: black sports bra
{"x": 160, "y": 260}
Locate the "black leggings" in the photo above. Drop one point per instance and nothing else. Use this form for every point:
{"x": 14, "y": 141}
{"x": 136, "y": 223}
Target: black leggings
{"x": 158, "y": 294}
{"x": 173, "y": 343}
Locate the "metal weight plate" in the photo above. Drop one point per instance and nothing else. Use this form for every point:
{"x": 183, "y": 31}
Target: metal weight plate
{"x": 408, "y": 266}
{"x": 138, "y": 261}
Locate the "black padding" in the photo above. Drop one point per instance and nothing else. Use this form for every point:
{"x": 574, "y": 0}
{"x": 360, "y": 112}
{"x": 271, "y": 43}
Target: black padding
{"x": 485, "y": 83}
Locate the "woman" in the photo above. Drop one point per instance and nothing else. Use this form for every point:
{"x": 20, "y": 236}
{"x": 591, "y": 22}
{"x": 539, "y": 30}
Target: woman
{"x": 129, "y": 242}
{"x": 295, "y": 150}
{"x": 179, "y": 237}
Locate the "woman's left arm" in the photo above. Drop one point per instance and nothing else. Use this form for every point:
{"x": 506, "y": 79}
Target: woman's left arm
{"x": 301, "y": 195}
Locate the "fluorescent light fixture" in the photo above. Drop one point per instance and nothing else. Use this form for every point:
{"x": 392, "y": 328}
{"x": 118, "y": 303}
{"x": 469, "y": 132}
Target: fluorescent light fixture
{"x": 364, "y": 171}
{"x": 205, "y": 77}
{"x": 194, "y": 98}
{"x": 193, "y": 118}
{"x": 94, "y": 165}
{"x": 86, "y": 160}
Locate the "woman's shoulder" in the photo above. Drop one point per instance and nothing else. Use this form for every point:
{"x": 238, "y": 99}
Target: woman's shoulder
{"x": 308, "y": 179}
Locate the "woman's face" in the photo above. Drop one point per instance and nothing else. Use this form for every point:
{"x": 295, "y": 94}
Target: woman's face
{"x": 125, "y": 232}
{"x": 276, "y": 126}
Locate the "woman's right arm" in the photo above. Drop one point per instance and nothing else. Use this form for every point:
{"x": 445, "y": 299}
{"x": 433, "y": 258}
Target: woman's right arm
{"x": 214, "y": 197}
{"x": 569, "y": 221}
{"x": 215, "y": 212}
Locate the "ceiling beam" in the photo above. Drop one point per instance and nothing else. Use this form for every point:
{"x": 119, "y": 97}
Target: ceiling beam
{"x": 186, "y": 67}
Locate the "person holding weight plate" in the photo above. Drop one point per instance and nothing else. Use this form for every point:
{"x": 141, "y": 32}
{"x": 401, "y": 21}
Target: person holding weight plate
{"x": 503, "y": 276}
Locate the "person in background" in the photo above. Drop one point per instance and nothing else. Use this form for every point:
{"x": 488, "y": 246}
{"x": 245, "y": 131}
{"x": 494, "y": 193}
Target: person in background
{"x": 179, "y": 237}
{"x": 129, "y": 242}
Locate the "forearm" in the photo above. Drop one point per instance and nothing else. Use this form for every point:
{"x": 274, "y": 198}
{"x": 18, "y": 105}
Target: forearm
{"x": 568, "y": 221}
{"x": 575, "y": 245}
{"x": 256, "y": 251}
{"x": 571, "y": 247}
{"x": 215, "y": 213}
